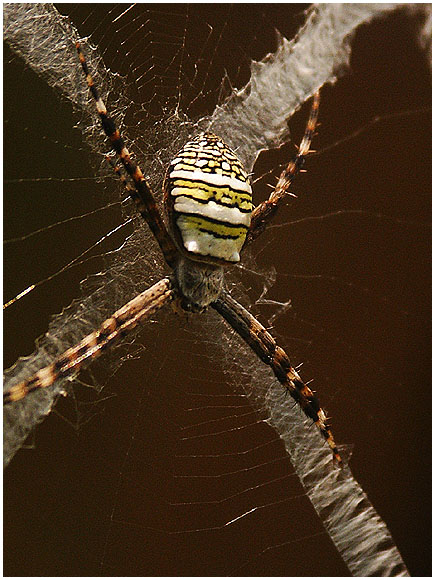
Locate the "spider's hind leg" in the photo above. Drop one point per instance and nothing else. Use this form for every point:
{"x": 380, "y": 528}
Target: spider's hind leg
{"x": 141, "y": 194}
{"x": 265, "y": 211}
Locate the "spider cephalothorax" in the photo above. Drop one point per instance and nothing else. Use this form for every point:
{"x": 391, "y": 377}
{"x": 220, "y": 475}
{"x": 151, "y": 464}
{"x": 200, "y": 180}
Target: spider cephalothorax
{"x": 211, "y": 217}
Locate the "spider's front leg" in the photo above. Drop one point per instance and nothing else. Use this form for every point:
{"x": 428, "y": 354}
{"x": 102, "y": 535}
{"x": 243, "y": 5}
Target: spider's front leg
{"x": 119, "y": 324}
{"x": 265, "y": 211}
{"x": 265, "y": 347}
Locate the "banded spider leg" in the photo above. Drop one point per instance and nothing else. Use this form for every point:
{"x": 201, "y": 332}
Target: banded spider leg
{"x": 91, "y": 346}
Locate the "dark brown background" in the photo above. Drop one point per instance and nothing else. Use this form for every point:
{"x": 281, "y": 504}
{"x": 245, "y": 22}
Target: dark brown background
{"x": 96, "y": 501}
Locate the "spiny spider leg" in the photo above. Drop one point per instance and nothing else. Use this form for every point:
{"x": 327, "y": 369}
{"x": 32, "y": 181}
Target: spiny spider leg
{"x": 142, "y": 196}
{"x": 265, "y": 347}
{"x": 265, "y": 211}
{"x": 122, "y": 178}
{"x": 116, "y": 326}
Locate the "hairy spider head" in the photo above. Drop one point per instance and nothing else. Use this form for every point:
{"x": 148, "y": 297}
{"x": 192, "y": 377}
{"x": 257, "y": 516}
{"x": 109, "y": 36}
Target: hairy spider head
{"x": 199, "y": 283}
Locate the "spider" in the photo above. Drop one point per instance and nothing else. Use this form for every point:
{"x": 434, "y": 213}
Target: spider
{"x": 211, "y": 217}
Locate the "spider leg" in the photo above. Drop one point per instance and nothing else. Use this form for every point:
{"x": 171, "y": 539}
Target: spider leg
{"x": 119, "y": 324}
{"x": 122, "y": 178}
{"x": 265, "y": 347}
{"x": 141, "y": 195}
{"x": 265, "y": 211}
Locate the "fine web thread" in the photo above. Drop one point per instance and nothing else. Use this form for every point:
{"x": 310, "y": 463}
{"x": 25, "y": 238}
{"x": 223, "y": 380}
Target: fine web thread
{"x": 248, "y": 126}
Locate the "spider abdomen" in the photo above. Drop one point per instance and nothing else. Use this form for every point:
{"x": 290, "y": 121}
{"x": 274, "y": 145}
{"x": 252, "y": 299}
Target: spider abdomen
{"x": 209, "y": 200}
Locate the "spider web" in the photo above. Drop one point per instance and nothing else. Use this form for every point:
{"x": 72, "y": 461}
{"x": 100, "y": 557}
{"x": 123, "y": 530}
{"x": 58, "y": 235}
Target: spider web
{"x": 194, "y": 474}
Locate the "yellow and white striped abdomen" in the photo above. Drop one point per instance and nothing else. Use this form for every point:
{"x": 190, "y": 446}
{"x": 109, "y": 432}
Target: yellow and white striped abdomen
{"x": 209, "y": 199}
